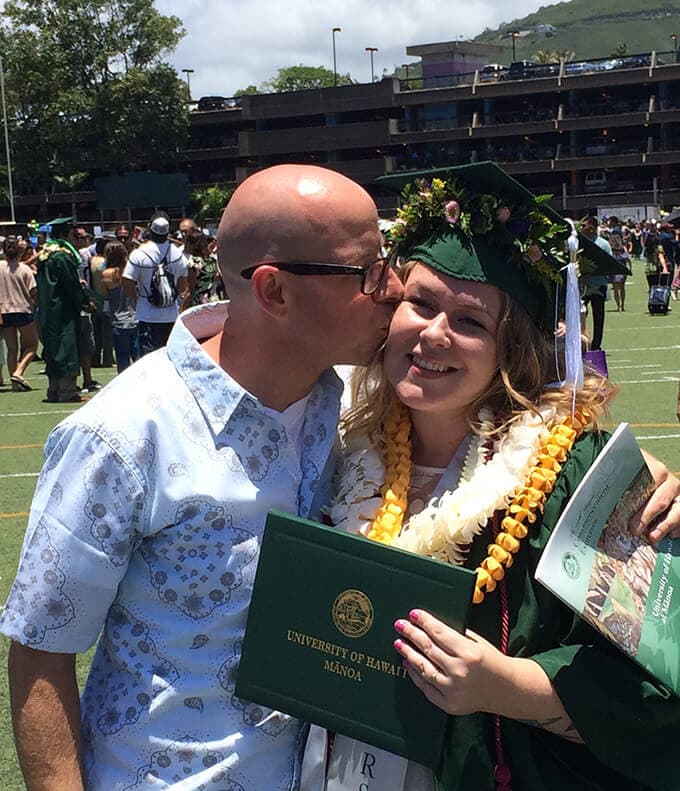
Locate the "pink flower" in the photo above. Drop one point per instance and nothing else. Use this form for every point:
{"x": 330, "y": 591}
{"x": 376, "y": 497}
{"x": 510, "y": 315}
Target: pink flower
{"x": 503, "y": 214}
{"x": 452, "y": 212}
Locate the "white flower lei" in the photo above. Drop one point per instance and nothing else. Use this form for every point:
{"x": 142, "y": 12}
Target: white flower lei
{"x": 451, "y": 521}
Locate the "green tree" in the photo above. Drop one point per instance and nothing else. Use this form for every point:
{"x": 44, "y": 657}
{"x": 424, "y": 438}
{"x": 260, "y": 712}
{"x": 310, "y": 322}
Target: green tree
{"x": 145, "y": 119}
{"x": 210, "y": 201}
{"x": 553, "y": 56}
{"x": 544, "y": 56}
{"x": 300, "y": 78}
{"x": 249, "y": 91}
{"x": 619, "y": 51}
{"x": 4, "y": 186}
{"x": 83, "y": 78}
{"x": 70, "y": 183}
{"x": 566, "y": 55}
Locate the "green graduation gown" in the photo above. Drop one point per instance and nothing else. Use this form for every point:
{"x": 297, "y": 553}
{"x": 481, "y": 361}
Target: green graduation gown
{"x": 60, "y": 298}
{"x": 629, "y": 722}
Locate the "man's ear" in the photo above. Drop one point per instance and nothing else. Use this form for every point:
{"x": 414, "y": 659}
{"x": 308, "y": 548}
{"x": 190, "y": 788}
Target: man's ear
{"x": 268, "y": 290}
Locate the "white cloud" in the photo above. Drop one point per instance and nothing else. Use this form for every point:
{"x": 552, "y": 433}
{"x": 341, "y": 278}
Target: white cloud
{"x": 234, "y": 43}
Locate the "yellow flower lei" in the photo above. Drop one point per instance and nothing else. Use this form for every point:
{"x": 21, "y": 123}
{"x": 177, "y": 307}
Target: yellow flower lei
{"x": 388, "y": 520}
{"x": 524, "y": 507}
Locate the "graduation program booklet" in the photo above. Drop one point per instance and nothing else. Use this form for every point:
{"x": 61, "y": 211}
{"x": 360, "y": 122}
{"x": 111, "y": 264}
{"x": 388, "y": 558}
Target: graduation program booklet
{"x": 320, "y": 633}
{"x": 623, "y": 586}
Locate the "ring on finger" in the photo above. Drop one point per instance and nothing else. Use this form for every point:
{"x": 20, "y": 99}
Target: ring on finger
{"x": 433, "y": 678}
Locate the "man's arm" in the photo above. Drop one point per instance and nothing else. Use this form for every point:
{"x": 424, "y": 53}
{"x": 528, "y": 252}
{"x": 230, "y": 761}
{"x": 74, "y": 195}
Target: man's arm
{"x": 46, "y": 718}
{"x": 187, "y": 293}
{"x": 182, "y": 289}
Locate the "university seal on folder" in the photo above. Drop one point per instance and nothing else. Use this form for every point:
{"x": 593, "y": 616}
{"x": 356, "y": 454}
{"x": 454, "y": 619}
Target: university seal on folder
{"x": 318, "y": 642}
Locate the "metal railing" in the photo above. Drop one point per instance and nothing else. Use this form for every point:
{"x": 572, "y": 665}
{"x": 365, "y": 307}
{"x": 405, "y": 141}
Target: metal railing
{"x": 532, "y": 70}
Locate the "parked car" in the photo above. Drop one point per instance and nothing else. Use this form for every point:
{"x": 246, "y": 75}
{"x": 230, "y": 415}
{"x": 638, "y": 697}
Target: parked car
{"x": 595, "y": 181}
{"x": 608, "y": 65}
{"x": 520, "y": 69}
{"x": 637, "y": 61}
{"x": 597, "y": 147}
{"x": 526, "y": 69}
{"x": 581, "y": 67}
{"x": 492, "y": 72}
{"x": 206, "y": 103}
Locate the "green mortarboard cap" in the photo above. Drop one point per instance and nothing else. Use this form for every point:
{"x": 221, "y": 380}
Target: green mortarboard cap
{"x": 479, "y": 246}
{"x": 481, "y": 260}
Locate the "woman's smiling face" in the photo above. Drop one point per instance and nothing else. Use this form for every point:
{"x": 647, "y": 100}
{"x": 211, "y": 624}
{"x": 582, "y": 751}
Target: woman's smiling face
{"x": 441, "y": 350}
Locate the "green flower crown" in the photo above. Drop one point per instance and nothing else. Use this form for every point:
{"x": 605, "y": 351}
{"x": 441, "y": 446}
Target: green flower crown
{"x": 432, "y": 206}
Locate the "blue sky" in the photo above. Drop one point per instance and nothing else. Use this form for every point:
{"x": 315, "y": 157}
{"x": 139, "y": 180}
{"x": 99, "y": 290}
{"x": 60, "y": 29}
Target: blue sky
{"x": 234, "y": 43}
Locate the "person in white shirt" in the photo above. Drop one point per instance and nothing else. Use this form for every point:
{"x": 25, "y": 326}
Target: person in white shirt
{"x": 157, "y": 254}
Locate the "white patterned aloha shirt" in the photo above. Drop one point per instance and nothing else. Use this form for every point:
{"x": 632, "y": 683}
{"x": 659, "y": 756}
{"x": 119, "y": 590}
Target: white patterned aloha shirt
{"x": 146, "y": 527}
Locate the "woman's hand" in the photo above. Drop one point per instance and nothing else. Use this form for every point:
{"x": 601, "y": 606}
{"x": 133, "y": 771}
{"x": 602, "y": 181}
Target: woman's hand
{"x": 660, "y": 516}
{"x": 463, "y": 674}
{"x": 456, "y": 672}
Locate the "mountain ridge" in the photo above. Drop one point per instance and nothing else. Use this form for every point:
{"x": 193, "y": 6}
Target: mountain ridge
{"x": 591, "y": 30}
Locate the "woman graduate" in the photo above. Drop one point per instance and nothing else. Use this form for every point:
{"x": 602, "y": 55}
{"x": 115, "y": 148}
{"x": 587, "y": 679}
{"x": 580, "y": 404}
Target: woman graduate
{"x": 465, "y": 445}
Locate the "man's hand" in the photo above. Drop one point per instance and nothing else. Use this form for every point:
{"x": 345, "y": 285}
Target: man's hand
{"x": 46, "y": 718}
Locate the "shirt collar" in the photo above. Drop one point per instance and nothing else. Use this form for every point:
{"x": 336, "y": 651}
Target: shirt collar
{"x": 217, "y": 394}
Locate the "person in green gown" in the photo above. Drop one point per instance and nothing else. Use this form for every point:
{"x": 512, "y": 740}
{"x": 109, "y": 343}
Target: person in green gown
{"x": 464, "y": 444}
{"x": 60, "y": 299}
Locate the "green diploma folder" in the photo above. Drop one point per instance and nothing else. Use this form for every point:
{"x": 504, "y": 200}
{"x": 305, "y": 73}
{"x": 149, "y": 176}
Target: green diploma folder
{"x": 318, "y": 642}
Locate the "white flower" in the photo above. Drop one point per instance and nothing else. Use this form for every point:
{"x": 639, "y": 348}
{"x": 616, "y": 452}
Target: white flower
{"x": 450, "y": 522}
{"x": 359, "y": 480}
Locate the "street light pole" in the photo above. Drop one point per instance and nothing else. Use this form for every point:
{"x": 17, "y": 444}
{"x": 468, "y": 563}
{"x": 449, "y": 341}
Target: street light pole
{"x": 675, "y": 42}
{"x": 514, "y": 35}
{"x": 371, "y": 50}
{"x": 335, "y": 63}
{"x": 7, "y": 152}
{"x": 188, "y": 72}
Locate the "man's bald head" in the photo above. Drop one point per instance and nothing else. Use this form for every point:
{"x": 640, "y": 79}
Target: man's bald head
{"x": 295, "y": 213}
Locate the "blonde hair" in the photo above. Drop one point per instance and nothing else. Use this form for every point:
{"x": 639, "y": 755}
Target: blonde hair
{"x": 526, "y": 366}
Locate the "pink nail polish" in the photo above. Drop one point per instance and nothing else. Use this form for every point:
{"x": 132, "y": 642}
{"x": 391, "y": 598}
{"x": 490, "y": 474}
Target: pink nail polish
{"x": 414, "y": 615}
{"x": 398, "y": 644}
{"x": 400, "y": 625}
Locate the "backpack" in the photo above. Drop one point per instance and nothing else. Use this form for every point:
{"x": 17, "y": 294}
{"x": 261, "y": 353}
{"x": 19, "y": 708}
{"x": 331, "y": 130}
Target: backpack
{"x": 162, "y": 291}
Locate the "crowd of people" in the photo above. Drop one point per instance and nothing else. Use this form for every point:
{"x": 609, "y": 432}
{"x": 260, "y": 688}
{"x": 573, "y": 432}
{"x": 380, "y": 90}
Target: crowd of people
{"x": 88, "y": 299}
{"x": 653, "y": 244}
{"x": 144, "y": 531}
{"x": 118, "y": 323}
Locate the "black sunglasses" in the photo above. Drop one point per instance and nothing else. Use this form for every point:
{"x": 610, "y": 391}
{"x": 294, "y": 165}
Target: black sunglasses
{"x": 372, "y": 275}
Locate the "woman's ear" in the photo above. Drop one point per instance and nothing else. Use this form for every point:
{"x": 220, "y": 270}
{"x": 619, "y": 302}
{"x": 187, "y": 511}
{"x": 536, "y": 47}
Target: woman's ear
{"x": 268, "y": 290}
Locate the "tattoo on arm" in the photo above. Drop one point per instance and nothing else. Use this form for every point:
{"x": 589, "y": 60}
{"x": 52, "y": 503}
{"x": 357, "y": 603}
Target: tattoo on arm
{"x": 560, "y": 726}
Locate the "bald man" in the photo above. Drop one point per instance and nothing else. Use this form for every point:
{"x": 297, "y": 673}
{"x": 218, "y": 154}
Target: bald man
{"x": 145, "y": 527}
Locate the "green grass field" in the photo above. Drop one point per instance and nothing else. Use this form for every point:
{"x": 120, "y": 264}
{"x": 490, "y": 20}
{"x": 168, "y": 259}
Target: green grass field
{"x": 643, "y": 358}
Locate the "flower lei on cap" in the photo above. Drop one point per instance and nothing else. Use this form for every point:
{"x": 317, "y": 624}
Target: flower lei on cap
{"x": 430, "y": 206}
{"x": 518, "y": 477}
